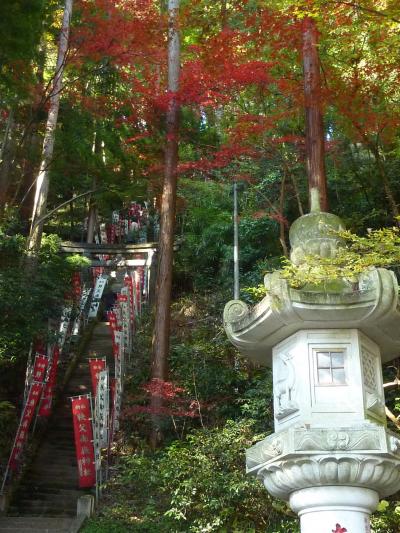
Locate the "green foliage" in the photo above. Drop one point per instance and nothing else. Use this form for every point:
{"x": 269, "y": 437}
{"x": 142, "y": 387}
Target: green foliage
{"x": 25, "y": 303}
{"x": 387, "y": 518}
{"x": 20, "y": 30}
{"x": 206, "y": 253}
{"x": 8, "y": 426}
{"x": 75, "y": 262}
{"x": 255, "y": 401}
{"x": 380, "y": 248}
{"x": 194, "y": 485}
{"x": 207, "y": 233}
{"x": 204, "y": 476}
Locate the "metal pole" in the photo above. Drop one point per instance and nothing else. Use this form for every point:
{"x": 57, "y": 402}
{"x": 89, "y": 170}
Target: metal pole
{"x": 236, "y": 290}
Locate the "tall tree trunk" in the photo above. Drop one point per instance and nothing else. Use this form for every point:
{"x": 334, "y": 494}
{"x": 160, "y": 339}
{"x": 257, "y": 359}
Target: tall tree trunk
{"x": 92, "y": 214}
{"x": 224, "y": 15}
{"x": 167, "y": 218}
{"x": 25, "y": 191}
{"x": 315, "y": 142}
{"x": 385, "y": 181}
{"x": 282, "y": 221}
{"x": 6, "y": 156}
{"x": 42, "y": 180}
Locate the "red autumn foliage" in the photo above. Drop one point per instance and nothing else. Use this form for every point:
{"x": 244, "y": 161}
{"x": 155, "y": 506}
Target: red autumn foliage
{"x": 261, "y": 53}
{"x": 163, "y": 389}
{"x": 174, "y": 403}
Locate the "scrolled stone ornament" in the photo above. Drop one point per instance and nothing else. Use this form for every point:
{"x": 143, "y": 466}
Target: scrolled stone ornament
{"x": 235, "y": 311}
{"x": 337, "y": 440}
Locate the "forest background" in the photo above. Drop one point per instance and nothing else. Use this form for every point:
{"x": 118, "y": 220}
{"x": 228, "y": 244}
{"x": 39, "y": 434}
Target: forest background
{"x": 241, "y": 120}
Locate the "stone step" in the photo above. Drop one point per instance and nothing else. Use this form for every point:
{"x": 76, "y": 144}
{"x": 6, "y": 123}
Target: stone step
{"x": 68, "y": 460}
{"x": 66, "y": 443}
{"x": 42, "y": 508}
{"x": 41, "y": 468}
{"x": 64, "y": 426}
{"x": 45, "y": 491}
{"x": 54, "y": 484}
{"x": 52, "y": 501}
{"x": 26, "y": 505}
{"x": 35, "y": 524}
{"x": 65, "y": 477}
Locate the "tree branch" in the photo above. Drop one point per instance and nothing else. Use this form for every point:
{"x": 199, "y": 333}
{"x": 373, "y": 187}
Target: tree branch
{"x": 390, "y": 384}
{"x": 366, "y": 9}
{"x": 392, "y": 417}
{"x": 48, "y": 215}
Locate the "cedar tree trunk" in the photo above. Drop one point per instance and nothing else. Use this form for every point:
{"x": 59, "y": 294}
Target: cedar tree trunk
{"x": 315, "y": 142}
{"x": 6, "y": 154}
{"x": 167, "y": 219}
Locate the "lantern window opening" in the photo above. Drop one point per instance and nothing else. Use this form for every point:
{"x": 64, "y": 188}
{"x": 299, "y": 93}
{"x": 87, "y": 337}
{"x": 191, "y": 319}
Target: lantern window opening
{"x": 331, "y": 367}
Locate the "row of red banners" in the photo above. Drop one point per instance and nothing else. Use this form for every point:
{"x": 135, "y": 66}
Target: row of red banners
{"x": 38, "y": 398}
{"x": 123, "y": 222}
{"x": 43, "y": 382}
{"x": 25, "y": 423}
{"x": 85, "y": 419}
{"x": 32, "y": 401}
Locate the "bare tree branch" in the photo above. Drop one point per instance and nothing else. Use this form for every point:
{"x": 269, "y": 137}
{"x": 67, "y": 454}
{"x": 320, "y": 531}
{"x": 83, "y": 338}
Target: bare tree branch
{"x": 48, "y": 215}
{"x": 392, "y": 417}
{"x": 394, "y": 383}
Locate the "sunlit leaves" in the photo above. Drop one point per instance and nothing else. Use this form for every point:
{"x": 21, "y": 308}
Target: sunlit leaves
{"x": 380, "y": 248}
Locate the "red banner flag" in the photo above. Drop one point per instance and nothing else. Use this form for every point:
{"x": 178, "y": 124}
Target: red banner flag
{"x": 96, "y": 272}
{"x": 76, "y": 285}
{"x": 112, "y": 319}
{"x": 48, "y": 392}
{"x": 83, "y": 432}
{"x": 24, "y": 425}
{"x": 39, "y": 367}
{"x": 96, "y": 366}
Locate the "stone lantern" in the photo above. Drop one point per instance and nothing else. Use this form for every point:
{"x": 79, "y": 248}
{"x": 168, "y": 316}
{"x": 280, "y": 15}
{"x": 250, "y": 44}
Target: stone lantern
{"x": 331, "y": 456}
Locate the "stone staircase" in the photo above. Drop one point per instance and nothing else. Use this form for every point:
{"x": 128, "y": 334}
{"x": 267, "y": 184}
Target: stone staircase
{"x": 35, "y": 524}
{"x": 46, "y": 499}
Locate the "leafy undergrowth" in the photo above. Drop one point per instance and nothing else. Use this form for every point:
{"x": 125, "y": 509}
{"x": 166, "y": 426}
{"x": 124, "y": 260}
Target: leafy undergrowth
{"x": 217, "y": 406}
{"x": 196, "y": 485}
